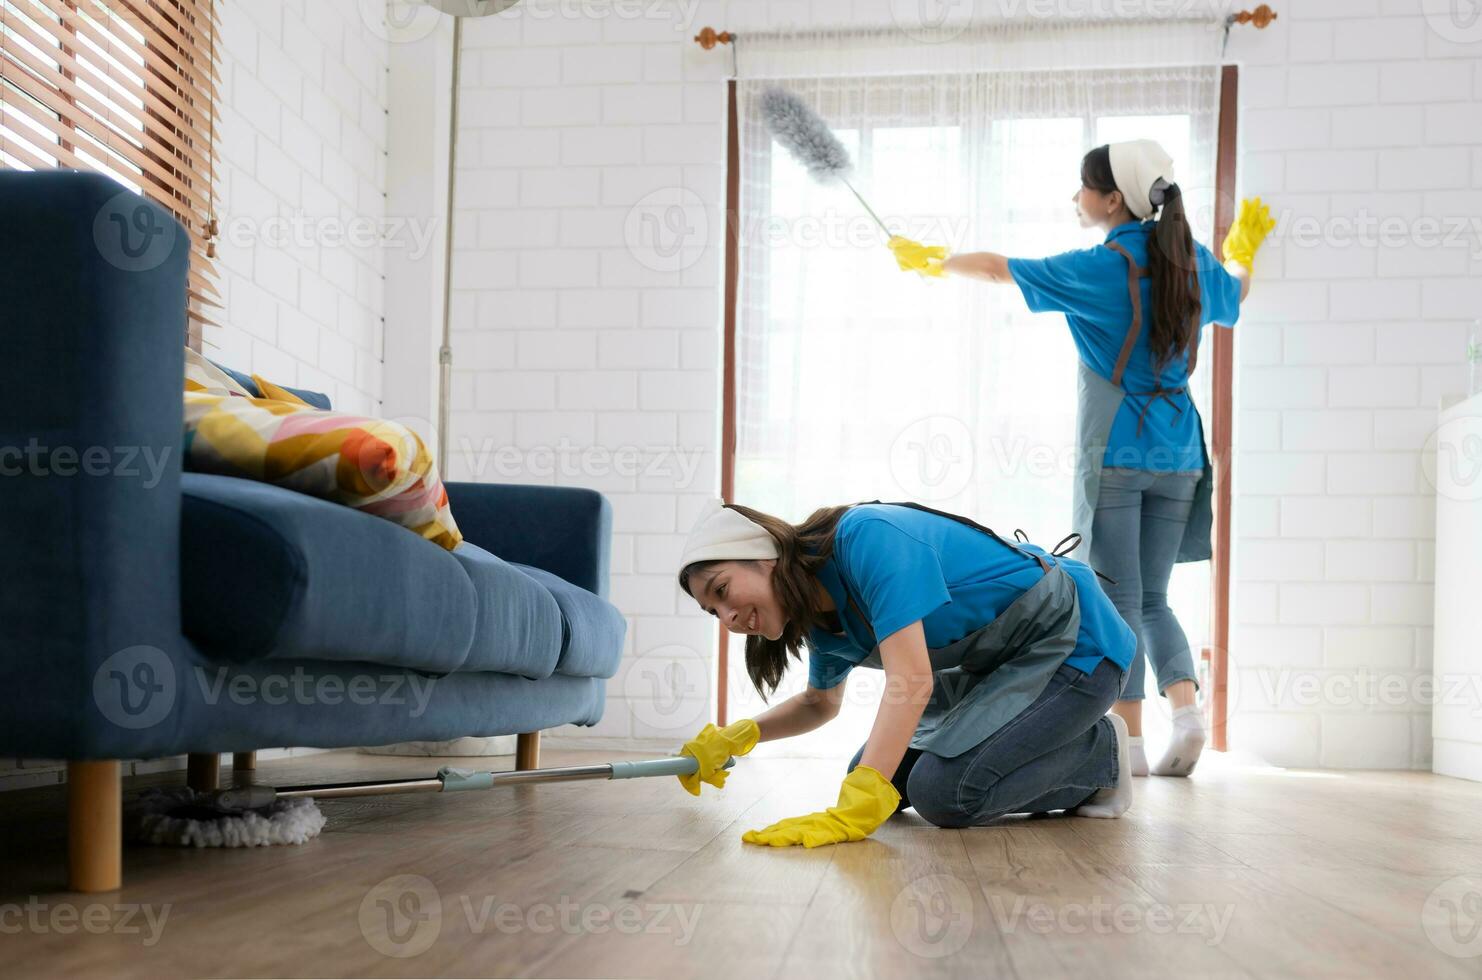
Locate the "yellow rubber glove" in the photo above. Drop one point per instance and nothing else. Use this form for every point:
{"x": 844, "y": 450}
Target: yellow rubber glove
{"x": 916, "y": 257}
{"x": 866, "y": 800}
{"x": 1252, "y": 224}
{"x": 712, "y": 747}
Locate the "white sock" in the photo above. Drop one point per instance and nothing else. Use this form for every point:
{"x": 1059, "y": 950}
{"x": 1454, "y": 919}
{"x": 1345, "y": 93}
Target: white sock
{"x": 1184, "y": 743}
{"x": 1115, "y": 800}
{"x": 1139, "y": 755}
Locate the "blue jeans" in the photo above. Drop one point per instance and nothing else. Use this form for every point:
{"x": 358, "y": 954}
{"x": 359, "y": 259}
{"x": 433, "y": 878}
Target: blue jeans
{"x": 1139, "y": 523}
{"x": 1053, "y": 755}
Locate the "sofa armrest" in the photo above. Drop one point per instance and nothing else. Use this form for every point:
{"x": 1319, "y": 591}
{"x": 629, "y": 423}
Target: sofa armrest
{"x": 93, "y": 281}
{"x": 565, "y": 530}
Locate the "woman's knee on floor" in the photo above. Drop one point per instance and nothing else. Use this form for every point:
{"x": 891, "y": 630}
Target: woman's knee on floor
{"x": 933, "y": 787}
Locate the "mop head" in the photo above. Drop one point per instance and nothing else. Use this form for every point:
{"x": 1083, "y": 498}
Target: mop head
{"x": 805, "y": 135}
{"x": 181, "y": 817}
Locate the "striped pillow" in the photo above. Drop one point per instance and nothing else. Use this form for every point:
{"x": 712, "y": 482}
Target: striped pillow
{"x": 378, "y": 467}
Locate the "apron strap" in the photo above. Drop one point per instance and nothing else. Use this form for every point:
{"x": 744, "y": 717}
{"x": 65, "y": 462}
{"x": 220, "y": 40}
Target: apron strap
{"x": 1071, "y": 542}
{"x": 1018, "y": 533}
{"x": 1134, "y": 273}
{"x": 1061, "y": 549}
{"x": 1166, "y": 394}
{"x": 1134, "y": 291}
{"x": 1039, "y": 559}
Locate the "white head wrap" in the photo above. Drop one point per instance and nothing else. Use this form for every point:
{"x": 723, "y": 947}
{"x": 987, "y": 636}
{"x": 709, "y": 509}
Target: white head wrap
{"x": 723, "y": 534}
{"x": 1136, "y": 165}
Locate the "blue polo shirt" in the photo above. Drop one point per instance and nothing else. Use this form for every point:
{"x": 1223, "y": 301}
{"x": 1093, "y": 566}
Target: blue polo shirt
{"x": 902, "y": 565}
{"x": 1090, "y": 287}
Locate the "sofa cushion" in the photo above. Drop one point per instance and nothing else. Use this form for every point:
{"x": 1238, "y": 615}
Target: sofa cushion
{"x": 592, "y": 629}
{"x": 518, "y": 628}
{"x": 269, "y": 573}
{"x": 318, "y": 399}
{"x": 376, "y": 466}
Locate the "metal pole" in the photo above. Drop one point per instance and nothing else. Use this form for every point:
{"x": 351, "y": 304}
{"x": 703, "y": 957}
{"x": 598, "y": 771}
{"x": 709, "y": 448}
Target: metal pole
{"x": 449, "y": 780}
{"x": 434, "y": 785}
{"x": 445, "y": 351}
{"x": 384, "y": 788}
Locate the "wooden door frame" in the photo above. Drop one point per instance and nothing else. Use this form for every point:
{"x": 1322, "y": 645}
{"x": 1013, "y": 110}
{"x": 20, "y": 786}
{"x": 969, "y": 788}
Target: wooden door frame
{"x": 1222, "y": 426}
{"x": 728, "y": 360}
{"x": 1222, "y": 382}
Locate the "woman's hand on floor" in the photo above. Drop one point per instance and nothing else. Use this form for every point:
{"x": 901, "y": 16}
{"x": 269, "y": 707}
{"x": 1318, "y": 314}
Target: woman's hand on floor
{"x": 712, "y": 747}
{"x": 866, "y": 800}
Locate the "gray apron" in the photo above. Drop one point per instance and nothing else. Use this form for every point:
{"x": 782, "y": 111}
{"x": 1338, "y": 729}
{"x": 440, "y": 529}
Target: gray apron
{"x": 991, "y": 675}
{"x": 1099, "y": 400}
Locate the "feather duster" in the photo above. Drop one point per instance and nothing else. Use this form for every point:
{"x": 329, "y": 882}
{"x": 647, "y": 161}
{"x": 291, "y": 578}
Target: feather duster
{"x": 807, "y": 137}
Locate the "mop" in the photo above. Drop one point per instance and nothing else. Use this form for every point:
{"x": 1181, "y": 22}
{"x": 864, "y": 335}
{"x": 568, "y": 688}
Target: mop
{"x": 257, "y": 816}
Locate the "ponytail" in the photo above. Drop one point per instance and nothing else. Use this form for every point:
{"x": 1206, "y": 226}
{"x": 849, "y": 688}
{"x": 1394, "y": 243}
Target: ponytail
{"x": 1175, "y": 277}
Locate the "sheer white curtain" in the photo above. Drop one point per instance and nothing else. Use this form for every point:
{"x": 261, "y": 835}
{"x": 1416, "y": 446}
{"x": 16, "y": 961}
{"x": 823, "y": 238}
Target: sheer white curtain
{"x": 856, "y": 381}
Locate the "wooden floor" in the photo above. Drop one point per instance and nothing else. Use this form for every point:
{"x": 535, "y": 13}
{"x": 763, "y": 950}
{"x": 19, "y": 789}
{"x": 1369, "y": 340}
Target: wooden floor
{"x": 1238, "y": 871}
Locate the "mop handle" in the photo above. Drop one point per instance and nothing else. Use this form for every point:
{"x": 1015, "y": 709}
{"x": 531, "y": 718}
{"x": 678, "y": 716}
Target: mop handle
{"x": 677, "y": 765}
{"x": 888, "y": 232}
{"x": 450, "y": 779}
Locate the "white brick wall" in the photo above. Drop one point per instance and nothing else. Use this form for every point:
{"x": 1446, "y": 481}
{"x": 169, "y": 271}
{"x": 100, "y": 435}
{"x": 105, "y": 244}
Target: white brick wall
{"x": 1351, "y": 112}
{"x": 302, "y": 180}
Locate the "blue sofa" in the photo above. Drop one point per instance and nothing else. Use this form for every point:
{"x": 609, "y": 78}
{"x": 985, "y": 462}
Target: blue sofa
{"x": 150, "y": 612}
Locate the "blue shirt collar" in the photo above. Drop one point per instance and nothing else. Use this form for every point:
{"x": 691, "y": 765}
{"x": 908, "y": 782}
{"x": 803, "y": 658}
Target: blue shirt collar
{"x": 1136, "y": 224}
{"x": 828, "y": 575}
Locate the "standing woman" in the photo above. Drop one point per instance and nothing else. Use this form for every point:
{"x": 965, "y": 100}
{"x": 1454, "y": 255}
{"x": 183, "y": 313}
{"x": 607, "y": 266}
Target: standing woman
{"x": 1000, "y": 659}
{"x": 1135, "y": 305}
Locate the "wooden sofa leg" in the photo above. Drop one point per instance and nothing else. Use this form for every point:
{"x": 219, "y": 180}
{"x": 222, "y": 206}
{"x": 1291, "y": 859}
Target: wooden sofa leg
{"x": 94, "y": 826}
{"x": 203, "y": 771}
{"x": 527, "y": 751}
{"x": 244, "y": 768}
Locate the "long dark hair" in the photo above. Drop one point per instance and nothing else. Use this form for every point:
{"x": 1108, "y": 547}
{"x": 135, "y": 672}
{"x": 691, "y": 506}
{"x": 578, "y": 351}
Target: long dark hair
{"x": 801, "y": 551}
{"x": 1171, "y": 261}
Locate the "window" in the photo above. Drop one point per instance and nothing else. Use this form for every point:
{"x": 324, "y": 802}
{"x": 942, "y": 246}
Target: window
{"x": 857, "y": 382}
{"x": 125, "y": 88}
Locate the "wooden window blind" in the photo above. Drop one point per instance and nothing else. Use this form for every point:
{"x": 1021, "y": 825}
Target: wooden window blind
{"x": 122, "y": 87}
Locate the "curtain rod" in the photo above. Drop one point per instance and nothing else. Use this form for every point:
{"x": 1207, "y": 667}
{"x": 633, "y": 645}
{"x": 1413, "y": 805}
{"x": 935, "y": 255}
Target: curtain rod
{"x": 709, "y": 37}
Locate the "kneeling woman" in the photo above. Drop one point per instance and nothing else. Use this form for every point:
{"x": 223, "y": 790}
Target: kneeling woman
{"x": 1001, "y": 661}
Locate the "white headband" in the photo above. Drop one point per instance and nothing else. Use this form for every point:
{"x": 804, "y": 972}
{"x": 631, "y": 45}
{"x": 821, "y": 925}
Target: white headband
{"x": 723, "y": 534}
{"x": 1136, "y": 165}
